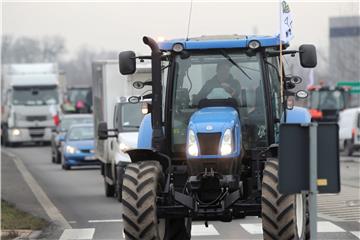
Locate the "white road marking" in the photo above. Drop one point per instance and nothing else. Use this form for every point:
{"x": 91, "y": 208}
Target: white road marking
{"x": 71, "y": 222}
{"x": 328, "y": 227}
{"x": 105, "y": 221}
{"x": 77, "y": 234}
{"x": 201, "y": 230}
{"x": 252, "y": 228}
{"x": 356, "y": 234}
{"x": 323, "y": 227}
{"x": 51, "y": 210}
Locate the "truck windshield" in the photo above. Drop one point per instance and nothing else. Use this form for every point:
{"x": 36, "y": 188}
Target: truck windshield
{"x": 214, "y": 76}
{"x": 327, "y": 99}
{"x": 79, "y": 94}
{"x": 35, "y": 96}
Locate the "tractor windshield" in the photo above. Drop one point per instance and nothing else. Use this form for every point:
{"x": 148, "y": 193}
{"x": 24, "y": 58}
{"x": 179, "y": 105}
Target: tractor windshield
{"x": 219, "y": 75}
{"x": 327, "y": 99}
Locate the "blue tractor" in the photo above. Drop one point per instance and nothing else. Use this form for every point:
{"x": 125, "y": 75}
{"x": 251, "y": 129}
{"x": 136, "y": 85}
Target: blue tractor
{"x": 209, "y": 150}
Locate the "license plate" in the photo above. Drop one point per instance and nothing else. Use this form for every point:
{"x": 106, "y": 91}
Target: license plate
{"x": 90, "y": 158}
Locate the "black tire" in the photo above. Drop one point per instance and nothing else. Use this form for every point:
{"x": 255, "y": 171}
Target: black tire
{"x": 109, "y": 188}
{"x": 279, "y": 217}
{"x": 63, "y": 164}
{"x": 119, "y": 182}
{"x": 66, "y": 167}
{"x": 57, "y": 157}
{"x": 348, "y": 148}
{"x": 141, "y": 183}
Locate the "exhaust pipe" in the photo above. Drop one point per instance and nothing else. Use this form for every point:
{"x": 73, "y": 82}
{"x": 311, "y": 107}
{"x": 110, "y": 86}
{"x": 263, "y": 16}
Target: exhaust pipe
{"x": 156, "y": 113}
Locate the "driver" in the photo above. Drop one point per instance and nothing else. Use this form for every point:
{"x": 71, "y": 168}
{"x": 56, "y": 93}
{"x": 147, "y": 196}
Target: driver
{"x": 222, "y": 79}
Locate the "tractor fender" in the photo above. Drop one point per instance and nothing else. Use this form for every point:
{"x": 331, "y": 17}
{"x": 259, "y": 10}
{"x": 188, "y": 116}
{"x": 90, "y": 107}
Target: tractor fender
{"x": 297, "y": 115}
{"x": 145, "y": 133}
{"x": 138, "y": 155}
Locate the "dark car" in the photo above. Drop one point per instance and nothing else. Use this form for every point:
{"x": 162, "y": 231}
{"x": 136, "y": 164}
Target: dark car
{"x": 58, "y": 136}
{"x": 78, "y": 147}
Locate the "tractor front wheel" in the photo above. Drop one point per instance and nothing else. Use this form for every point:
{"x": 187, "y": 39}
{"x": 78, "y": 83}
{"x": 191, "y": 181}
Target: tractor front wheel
{"x": 141, "y": 183}
{"x": 283, "y": 216}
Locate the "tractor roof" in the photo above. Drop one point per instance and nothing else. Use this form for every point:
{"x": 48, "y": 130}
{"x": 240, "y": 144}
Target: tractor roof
{"x": 220, "y": 41}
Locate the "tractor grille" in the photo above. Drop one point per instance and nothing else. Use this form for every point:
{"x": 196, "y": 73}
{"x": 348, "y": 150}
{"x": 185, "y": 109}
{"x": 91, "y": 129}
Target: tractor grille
{"x": 36, "y": 118}
{"x": 209, "y": 143}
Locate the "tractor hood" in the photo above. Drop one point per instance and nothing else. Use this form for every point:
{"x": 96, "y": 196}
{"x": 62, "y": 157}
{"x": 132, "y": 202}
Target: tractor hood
{"x": 213, "y": 119}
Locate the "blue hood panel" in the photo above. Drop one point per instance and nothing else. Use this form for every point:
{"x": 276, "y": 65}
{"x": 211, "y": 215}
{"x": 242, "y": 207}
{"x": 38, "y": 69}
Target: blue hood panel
{"x": 213, "y": 119}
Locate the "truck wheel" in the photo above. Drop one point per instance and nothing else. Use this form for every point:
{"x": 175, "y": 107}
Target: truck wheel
{"x": 141, "y": 183}
{"x": 348, "y": 148}
{"x": 283, "y": 216}
{"x": 109, "y": 188}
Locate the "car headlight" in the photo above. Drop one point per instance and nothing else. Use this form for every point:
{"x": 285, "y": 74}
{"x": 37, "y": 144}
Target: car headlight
{"x": 70, "y": 149}
{"x": 123, "y": 147}
{"x": 226, "y": 143}
{"x": 15, "y": 132}
{"x": 193, "y": 148}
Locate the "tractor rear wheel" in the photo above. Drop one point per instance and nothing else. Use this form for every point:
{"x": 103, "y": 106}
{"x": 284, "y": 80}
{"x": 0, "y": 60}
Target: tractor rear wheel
{"x": 283, "y": 216}
{"x": 141, "y": 183}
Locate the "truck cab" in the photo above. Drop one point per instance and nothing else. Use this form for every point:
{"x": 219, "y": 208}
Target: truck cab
{"x": 30, "y": 91}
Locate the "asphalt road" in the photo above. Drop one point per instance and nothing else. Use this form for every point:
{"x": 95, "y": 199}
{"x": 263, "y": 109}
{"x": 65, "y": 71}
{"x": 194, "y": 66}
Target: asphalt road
{"x": 79, "y": 196}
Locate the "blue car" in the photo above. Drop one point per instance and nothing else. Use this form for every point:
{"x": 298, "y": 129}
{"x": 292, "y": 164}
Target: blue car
{"x": 78, "y": 148}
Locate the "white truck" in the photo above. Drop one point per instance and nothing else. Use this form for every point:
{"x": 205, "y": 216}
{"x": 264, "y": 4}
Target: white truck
{"x": 29, "y": 91}
{"x": 112, "y": 109}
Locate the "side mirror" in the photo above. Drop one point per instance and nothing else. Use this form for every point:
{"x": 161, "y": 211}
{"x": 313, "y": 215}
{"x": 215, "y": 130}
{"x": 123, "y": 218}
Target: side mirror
{"x": 102, "y": 131}
{"x": 308, "y": 57}
{"x": 127, "y": 62}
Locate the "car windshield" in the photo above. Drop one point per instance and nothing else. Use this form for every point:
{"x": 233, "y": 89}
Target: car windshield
{"x": 81, "y": 133}
{"x": 35, "y": 96}
{"x": 66, "y": 123}
{"x": 219, "y": 75}
{"x": 327, "y": 100}
{"x": 131, "y": 116}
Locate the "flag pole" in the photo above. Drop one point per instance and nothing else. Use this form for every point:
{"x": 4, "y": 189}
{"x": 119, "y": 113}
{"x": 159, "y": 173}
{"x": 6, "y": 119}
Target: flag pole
{"x": 281, "y": 60}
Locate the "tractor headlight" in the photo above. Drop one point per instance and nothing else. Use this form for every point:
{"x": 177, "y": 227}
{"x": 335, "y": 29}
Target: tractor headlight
{"x": 123, "y": 147}
{"x": 15, "y": 132}
{"x": 226, "y": 143}
{"x": 253, "y": 44}
{"x": 178, "y": 47}
{"x": 192, "y": 148}
{"x": 71, "y": 150}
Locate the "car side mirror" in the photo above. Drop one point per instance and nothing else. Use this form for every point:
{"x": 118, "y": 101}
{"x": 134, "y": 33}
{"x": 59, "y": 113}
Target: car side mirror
{"x": 102, "y": 131}
{"x": 308, "y": 58}
{"x": 127, "y": 62}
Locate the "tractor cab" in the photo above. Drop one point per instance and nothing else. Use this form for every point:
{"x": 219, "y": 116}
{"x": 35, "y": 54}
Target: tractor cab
{"x": 214, "y": 124}
{"x": 325, "y": 103}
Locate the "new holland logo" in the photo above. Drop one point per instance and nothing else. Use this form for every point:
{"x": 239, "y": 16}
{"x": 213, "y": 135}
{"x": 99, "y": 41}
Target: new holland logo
{"x": 209, "y": 127}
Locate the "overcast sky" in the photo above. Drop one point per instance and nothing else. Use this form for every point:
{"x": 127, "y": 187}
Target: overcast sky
{"x": 119, "y": 25}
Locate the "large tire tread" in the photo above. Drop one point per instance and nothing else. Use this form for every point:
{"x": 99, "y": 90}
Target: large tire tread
{"x": 278, "y": 210}
{"x": 138, "y": 197}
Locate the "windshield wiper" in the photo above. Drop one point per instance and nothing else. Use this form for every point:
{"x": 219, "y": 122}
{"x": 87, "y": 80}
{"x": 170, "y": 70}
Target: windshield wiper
{"x": 224, "y": 53}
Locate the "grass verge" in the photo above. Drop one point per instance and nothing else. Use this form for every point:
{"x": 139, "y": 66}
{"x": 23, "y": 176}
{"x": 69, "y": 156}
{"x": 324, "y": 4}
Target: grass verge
{"x": 15, "y": 219}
